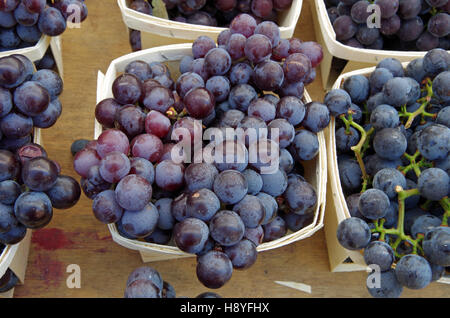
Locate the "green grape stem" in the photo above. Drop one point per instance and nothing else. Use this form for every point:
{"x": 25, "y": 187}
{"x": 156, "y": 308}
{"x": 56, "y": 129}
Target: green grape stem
{"x": 421, "y": 110}
{"x": 445, "y": 204}
{"x": 399, "y": 231}
{"x": 414, "y": 164}
{"x": 358, "y": 149}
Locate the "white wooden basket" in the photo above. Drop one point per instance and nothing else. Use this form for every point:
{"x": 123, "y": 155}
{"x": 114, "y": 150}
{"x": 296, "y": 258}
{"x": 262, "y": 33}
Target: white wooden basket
{"x": 157, "y": 31}
{"x": 357, "y": 58}
{"x": 315, "y": 170}
{"x": 15, "y": 257}
{"x": 36, "y": 52}
{"x": 341, "y": 259}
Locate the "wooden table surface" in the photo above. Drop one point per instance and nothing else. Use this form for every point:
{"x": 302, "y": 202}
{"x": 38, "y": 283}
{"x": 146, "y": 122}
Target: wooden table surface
{"x": 75, "y": 237}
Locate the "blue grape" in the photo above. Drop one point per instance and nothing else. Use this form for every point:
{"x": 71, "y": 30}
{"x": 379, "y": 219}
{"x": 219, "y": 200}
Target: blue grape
{"x": 353, "y": 233}
{"x": 133, "y": 192}
{"x": 214, "y": 269}
{"x": 387, "y": 180}
{"x": 190, "y": 235}
{"x": 415, "y": 70}
{"x": 306, "y": 145}
{"x": 379, "y": 253}
{"x": 275, "y": 183}
{"x": 33, "y": 209}
{"x": 396, "y": 91}
{"x": 436, "y": 61}
{"x": 413, "y": 271}
{"x": 251, "y": 211}
{"x": 443, "y": 117}
{"x": 373, "y": 204}
{"x": 226, "y": 228}
{"x": 200, "y": 175}
{"x": 14, "y": 235}
{"x": 270, "y": 207}
{"x": 345, "y": 141}
{"x": 230, "y": 186}
{"x": 378, "y": 78}
{"x": 389, "y": 143}
{"x": 441, "y": 86}
{"x": 202, "y": 204}
{"x": 254, "y": 181}
{"x": 384, "y": 116}
{"x": 166, "y": 220}
{"x": 105, "y": 207}
{"x": 389, "y": 286}
{"x": 433, "y": 184}
{"x": 242, "y": 255}
{"x": 350, "y": 174}
{"x": 301, "y": 197}
{"x": 338, "y": 101}
{"x": 434, "y": 142}
{"x": 7, "y": 218}
{"x": 317, "y": 117}
{"x": 9, "y": 191}
{"x": 393, "y": 65}
{"x": 435, "y": 245}
{"x": 423, "y": 224}
{"x": 140, "y": 223}
{"x": 275, "y": 229}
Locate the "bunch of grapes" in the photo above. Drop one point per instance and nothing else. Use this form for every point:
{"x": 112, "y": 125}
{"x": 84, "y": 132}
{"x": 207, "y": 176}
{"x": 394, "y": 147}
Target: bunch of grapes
{"x": 146, "y": 282}
{"x": 406, "y": 25}
{"x": 214, "y": 13}
{"x": 219, "y": 209}
{"x": 23, "y": 22}
{"x": 393, "y": 141}
{"x": 28, "y": 99}
{"x": 31, "y": 184}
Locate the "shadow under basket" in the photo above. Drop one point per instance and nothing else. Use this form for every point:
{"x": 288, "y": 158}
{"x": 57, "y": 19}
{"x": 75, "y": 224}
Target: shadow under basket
{"x": 341, "y": 259}
{"x": 315, "y": 170}
{"x": 37, "y": 52}
{"x": 157, "y": 31}
{"x": 339, "y": 58}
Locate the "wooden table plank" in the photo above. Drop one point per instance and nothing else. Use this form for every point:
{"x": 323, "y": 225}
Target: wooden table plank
{"x": 75, "y": 237}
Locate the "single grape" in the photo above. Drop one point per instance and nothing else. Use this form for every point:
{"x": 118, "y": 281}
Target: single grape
{"x": 190, "y": 235}
{"x": 413, "y": 271}
{"x": 353, "y": 233}
{"x": 33, "y": 209}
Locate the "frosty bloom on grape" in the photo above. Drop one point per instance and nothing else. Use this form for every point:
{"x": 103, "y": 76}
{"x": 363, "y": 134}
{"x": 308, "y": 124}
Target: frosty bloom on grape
{"x": 228, "y": 145}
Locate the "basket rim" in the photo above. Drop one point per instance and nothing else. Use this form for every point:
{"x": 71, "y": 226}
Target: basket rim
{"x": 321, "y": 164}
{"x": 131, "y": 14}
{"x": 34, "y": 52}
{"x": 343, "y": 51}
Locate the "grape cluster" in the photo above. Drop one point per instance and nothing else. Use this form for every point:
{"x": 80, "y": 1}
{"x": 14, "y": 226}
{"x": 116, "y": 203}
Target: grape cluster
{"x": 393, "y": 143}
{"x": 146, "y": 282}
{"x": 31, "y": 184}
{"x": 28, "y": 99}
{"x": 213, "y": 13}
{"x": 219, "y": 209}
{"x": 405, "y": 25}
{"x": 23, "y": 22}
